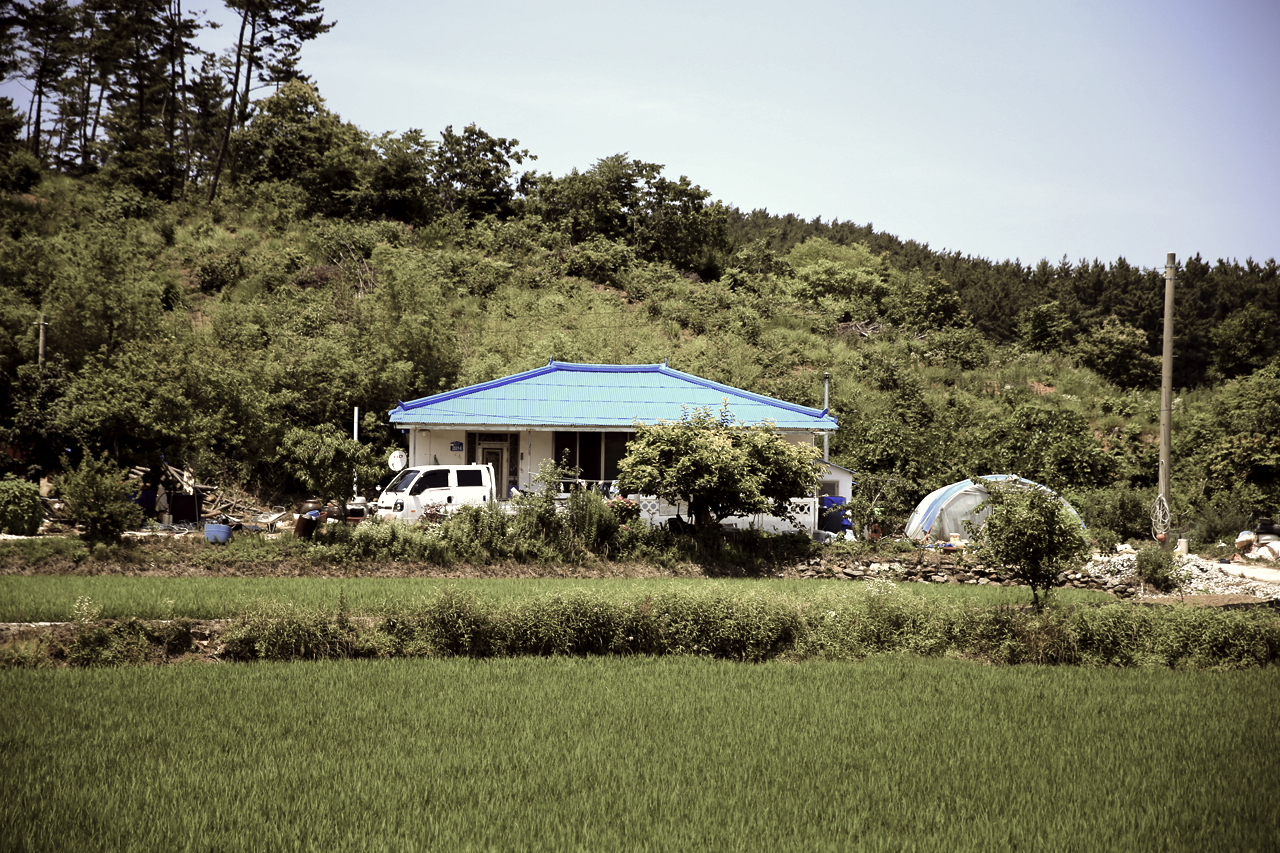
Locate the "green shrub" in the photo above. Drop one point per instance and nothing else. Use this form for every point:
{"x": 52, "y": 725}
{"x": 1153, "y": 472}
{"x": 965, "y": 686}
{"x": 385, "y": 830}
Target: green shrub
{"x": 284, "y": 632}
{"x": 99, "y": 497}
{"x": 217, "y": 271}
{"x": 1104, "y": 539}
{"x": 1122, "y": 509}
{"x": 1156, "y": 567}
{"x": 19, "y": 172}
{"x": 624, "y": 509}
{"x": 384, "y": 540}
{"x": 1031, "y": 533}
{"x": 589, "y": 521}
{"x": 478, "y": 533}
{"x": 1221, "y": 518}
{"x": 537, "y": 516}
{"x": 122, "y": 643}
{"x": 42, "y": 550}
{"x": 21, "y": 509}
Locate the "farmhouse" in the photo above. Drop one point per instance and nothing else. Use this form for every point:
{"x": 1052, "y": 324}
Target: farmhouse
{"x": 586, "y": 410}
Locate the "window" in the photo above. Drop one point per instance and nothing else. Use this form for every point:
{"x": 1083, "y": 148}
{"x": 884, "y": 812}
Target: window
{"x": 438, "y": 479}
{"x": 566, "y": 441}
{"x": 596, "y": 453}
{"x": 470, "y": 477}
{"x": 589, "y": 455}
{"x": 615, "y": 447}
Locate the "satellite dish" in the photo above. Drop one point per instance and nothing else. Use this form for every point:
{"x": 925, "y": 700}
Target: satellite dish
{"x": 398, "y": 460}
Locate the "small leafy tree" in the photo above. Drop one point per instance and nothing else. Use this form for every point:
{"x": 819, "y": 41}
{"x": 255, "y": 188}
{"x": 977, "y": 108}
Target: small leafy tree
{"x": 100, "y": 498}
{"x": 719, "y": 466}
{"x": 1031, "y": 533}
{"x": 325, "y": 459}
{"x": 20, "y": 508}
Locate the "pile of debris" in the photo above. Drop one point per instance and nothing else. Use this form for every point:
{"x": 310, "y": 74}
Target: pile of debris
{"x": 1262, "y": 543}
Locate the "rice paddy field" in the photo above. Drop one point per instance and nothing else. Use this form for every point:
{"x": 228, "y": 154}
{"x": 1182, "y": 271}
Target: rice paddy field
{"x": 603, "y": 754}
{"x": 49, "y": 598}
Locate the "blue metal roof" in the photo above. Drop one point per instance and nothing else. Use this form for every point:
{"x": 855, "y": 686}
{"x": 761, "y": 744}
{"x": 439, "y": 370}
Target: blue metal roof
{"x": 562, "y": 395}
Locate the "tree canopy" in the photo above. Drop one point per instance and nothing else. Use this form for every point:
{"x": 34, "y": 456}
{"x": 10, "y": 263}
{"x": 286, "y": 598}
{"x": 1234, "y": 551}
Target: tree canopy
{"x": 719, "y": 467}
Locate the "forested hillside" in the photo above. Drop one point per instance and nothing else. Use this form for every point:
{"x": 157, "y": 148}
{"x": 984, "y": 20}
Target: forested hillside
{"x": 227, "y": 268}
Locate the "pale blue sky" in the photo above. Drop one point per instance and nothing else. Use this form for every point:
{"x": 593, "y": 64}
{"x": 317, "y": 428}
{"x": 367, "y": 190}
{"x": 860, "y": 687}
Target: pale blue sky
{"x": 1001, "y": 129}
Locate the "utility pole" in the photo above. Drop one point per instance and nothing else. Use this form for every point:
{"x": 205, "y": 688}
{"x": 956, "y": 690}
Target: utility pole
{"x": 1160, "y": 517}
{"x": 43, "y": 324}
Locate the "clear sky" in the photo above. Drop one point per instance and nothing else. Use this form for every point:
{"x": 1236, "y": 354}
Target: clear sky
{"x": 1005, "y": 129}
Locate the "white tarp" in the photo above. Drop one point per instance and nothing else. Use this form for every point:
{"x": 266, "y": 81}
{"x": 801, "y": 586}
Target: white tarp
{"x": 945, "y": 510}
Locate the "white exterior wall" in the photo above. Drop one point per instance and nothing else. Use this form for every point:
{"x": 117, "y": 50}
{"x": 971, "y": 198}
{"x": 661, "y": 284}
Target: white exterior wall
{"x": 433, "y": 447}
{"x": 841, "y": 477}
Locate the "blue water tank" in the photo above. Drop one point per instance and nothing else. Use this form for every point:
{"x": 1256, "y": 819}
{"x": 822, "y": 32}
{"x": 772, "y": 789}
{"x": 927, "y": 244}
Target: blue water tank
{"x": 832, "y": 516}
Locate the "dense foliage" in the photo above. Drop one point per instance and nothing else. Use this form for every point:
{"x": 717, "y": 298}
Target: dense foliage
{"x": 225, "y": 277}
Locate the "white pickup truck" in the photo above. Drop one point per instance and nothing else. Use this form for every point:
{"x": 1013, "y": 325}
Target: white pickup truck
{"x": 435, "y": 489}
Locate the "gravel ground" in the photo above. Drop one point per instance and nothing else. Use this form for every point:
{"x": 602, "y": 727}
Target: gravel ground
{"x": 1207, "y": 582}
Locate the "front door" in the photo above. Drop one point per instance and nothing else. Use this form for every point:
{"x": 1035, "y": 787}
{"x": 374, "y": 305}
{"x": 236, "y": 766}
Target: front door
{"x": 496, "y": 456}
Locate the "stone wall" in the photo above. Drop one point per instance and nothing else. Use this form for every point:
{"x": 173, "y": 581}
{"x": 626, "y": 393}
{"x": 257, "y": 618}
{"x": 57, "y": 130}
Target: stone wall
{"x": 953, "y": 567}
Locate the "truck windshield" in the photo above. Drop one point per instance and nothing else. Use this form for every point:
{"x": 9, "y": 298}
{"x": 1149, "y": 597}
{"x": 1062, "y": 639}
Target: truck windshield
{"x": 403, "y": 481}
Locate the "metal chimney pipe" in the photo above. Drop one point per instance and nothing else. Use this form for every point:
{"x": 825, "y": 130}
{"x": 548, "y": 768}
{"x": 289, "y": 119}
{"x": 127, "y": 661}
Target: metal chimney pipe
{"x": 826, "y": 407}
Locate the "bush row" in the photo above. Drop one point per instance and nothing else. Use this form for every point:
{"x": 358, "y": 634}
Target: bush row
{"x": 875, "y": 618}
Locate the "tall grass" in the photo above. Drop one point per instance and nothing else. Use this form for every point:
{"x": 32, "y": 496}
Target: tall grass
{"x": 637, "y": 754}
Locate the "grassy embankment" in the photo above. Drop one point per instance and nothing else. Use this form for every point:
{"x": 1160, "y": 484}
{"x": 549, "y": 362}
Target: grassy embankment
{"x": 745, "y": 621}
{"x": 638, "y": 754}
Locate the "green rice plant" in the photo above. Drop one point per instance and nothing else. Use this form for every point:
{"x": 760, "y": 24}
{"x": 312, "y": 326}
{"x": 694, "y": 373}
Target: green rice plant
{"x": 615, "y": 754}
